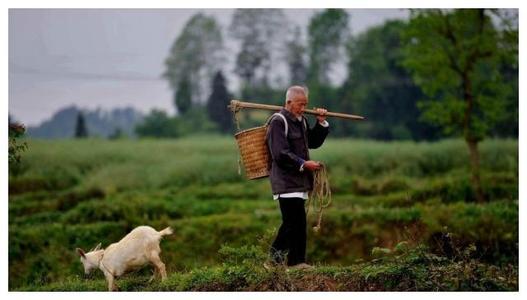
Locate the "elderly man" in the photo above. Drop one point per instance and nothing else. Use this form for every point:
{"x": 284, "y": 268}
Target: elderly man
{"x": 288, "y": 139}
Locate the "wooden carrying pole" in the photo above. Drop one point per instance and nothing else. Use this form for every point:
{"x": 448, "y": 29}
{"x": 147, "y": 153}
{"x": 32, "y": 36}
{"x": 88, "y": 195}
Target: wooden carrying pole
{"x": 237, "y": 105}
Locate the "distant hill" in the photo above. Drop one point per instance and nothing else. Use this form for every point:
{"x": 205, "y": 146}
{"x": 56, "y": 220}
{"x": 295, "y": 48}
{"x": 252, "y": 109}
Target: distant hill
{"x": 99, "y": 123}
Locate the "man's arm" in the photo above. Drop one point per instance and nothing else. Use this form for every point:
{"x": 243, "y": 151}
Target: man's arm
{"x": 317, "y": 135}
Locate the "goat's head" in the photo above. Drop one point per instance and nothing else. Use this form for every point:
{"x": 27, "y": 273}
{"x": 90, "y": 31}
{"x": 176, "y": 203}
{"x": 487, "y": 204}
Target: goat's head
{"x": 91, "y": 259}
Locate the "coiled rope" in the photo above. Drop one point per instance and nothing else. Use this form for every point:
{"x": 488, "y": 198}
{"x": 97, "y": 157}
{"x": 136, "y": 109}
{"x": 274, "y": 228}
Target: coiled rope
{"x": 320, "y": 196}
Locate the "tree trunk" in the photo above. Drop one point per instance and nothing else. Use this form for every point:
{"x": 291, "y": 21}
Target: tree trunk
{"x": 470, "y": 138}
{"x": 474, "y": 163}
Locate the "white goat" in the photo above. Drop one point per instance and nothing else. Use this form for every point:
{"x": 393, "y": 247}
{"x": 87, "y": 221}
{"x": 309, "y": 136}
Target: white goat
{"x": 136, "y": 249}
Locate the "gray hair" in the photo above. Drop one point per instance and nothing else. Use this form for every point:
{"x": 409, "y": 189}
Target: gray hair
{"x": 295, "y": 90}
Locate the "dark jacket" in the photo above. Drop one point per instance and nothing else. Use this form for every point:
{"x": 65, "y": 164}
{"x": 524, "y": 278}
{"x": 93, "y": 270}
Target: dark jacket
{"x": 289, "y": 153}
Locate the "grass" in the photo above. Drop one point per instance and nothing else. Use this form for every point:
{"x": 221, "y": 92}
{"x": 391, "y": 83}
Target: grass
{"x": 412, "y": 269}
{"x": 77, "y": 193}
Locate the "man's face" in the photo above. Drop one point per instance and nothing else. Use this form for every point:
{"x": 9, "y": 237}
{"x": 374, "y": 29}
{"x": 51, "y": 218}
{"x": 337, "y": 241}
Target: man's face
{"x": 298, "y": 104}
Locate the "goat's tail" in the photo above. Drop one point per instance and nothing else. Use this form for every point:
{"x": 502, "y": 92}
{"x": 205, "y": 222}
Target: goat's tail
{"x": 166, "y": 231}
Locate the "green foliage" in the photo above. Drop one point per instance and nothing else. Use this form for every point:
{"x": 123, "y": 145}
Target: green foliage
{"x": 245, "y": 255}
{"x": 402, "y": 247}
{"x": 415, "y": 269}
{"x": 386, "y": 195}
{"x": 16, "y": 131}
{"x": 379, "y": 88}
{"x": 454, "y": 56}
{"x": 217, "y": 104}
{"x": 508, "y": 126}
{"x": 183, "y": 95}
{"x": 392, "y": 77}
{"x": 196, "y": 121}
{"x": 378, "y": 251}
{"x": 157, "y": 124}
{"x": 323, "y": 96}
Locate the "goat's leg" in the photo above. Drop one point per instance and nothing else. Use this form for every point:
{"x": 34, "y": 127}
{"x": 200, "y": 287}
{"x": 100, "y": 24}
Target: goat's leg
{"x": 154, "y": 274}
{"x": 160, "y": 266}
{"x": 115, "y": 287}
{"x": 111, "y": 282}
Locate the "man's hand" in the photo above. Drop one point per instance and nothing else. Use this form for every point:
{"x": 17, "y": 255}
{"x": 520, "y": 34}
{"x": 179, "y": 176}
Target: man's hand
{"x": 321, "y": 117}
{"x": 311, "y": 165}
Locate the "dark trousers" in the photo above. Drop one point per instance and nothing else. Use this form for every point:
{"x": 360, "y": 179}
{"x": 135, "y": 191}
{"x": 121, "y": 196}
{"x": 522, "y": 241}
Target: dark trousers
{"x": 292, "y": 235}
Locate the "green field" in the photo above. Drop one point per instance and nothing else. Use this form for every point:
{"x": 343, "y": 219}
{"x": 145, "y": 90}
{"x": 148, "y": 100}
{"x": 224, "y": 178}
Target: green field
{"x": 403, "y": 216}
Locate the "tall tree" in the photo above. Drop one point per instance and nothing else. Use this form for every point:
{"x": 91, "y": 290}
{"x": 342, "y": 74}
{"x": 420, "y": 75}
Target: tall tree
{"x": 328, "y": 33}
{"x": 183, "y": 95}
{"x": 295, "y": 56}
{"x": 509, "y": 126}
{"x": 261, "y": 33}
{"x": 454, "y": 56}
{"x": 80, "y": 126}
{"x": 217, "y": 104}
{"x": 377, "y": 86}
{"x": 194, "y": 57}
{"x": 252, "y": 55}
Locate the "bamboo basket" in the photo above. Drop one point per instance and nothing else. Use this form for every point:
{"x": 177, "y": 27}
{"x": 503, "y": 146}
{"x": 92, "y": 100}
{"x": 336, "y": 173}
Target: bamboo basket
{"x": 253, "y": 151}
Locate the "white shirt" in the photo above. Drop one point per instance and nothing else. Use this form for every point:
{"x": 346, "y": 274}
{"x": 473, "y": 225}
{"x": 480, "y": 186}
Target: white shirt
{"x": 302, "y": 195}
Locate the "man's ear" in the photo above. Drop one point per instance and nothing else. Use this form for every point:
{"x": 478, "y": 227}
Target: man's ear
{"x": 81, "y": 252}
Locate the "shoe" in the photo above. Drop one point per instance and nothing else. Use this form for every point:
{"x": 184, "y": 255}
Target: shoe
{"x": 302, "y": 267}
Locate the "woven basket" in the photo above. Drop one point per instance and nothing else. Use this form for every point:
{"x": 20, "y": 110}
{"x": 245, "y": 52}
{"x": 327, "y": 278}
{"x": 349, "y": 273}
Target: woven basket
{"x": 253, "y": 151}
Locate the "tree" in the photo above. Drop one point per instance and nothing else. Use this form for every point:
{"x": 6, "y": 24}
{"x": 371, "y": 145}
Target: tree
{"x": 328, "y": 32}
{"x": 194, "y": 57}
{"x": 295, "y": 53}
{"x": 157, "y": 124}
{"x": 183, "y": 95}
{"x": 261, "y": 33}
{"x": 252, "y": 55}
{"x": 217, "y": 104}
{"x": 80, "y": 126}
{"x": 509, "y": 68}
{"x": 378, "y": 87}
{"x": 16, "y": 147}
{"x": 454, "y": 56}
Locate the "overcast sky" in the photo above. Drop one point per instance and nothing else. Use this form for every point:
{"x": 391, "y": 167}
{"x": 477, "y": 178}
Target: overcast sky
{"x": 109, "y": 58}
